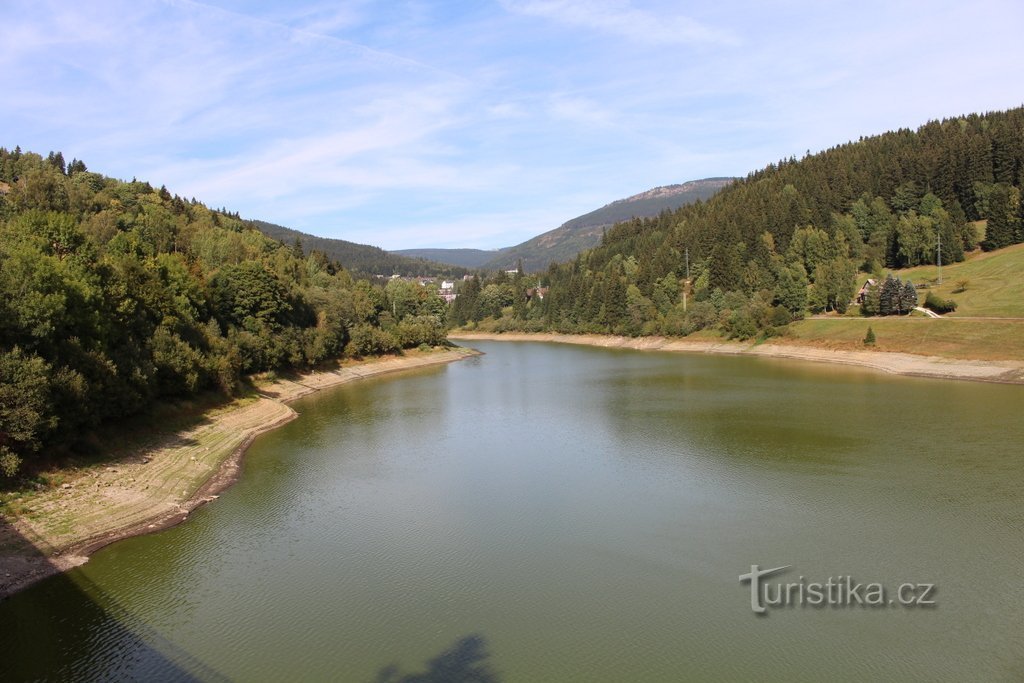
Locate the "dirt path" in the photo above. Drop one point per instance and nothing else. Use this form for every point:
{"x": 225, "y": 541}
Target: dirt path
{"x": 160, "y": 485}
{"x": 896, "y": 363}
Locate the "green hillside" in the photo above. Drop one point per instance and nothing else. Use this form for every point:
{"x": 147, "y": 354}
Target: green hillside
{"x": 583, "y": 232}
{"x": 994, "y": 283}
{"x": 359, "y": 258}
{"x": 988, "y": 323}
{"x": 116, "y": 296}
{"x": 794, "y": 239}
{"x": 465, "y": 258}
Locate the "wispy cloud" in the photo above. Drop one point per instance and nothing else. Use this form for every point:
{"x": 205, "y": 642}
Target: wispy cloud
{"x": 621, "y": 18}
{"x": 484, "y": 124}
{"x": 580, "y": 110}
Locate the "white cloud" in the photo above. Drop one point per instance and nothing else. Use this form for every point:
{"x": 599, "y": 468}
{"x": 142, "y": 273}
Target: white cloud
{"x": 393, "y": 122}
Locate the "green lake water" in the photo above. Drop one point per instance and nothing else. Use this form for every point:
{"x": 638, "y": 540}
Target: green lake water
{"x": 558, "y": 513}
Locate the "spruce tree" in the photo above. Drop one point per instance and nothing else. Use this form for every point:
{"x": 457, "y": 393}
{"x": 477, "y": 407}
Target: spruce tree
{"x": 872, "y": 300}
{"x": 1001, "y": 215}
{"x": 908, "y": 297}
{"x": 889, "y": 296}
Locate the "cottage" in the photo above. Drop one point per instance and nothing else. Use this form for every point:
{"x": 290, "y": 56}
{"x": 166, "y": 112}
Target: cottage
{"x": 863, "y": 292}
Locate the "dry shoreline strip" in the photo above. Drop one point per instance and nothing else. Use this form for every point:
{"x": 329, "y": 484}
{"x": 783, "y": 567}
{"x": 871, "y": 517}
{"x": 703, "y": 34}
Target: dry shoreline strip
{"x": 160, "y": 485}
{"x": 1003, "y": 371}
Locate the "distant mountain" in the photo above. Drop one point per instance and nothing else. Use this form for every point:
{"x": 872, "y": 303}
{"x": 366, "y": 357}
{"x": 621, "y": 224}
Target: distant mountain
{"x": 361, "y": 258}
{"x": 467, "y": 258}
{"x": 573, "y": 236}
{"x": 582, "y": 232}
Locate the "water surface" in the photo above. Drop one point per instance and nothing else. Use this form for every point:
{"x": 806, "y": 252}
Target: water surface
{"x": 560, "y": 513}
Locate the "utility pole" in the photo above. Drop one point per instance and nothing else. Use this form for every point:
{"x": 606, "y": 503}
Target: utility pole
{"x": 686, "y": 285}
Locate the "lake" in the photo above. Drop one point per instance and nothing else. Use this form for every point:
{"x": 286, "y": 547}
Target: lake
{"x": 559, "y": 513}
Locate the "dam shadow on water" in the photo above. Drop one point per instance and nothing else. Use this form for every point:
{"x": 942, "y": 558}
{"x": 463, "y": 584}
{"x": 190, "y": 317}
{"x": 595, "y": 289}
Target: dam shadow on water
{"x": 33, "y": 621}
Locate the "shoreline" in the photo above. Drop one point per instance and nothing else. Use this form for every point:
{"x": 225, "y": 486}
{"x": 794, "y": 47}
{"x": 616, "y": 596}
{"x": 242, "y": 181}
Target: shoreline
{"x": 891, "y": 362}
{"x": 139, "y": 492}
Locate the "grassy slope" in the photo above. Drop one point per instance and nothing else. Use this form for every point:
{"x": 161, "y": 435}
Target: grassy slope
{"x": 966, "y": 339}
{"x": 995, "y": 290}
{"x": 995, "y": 283}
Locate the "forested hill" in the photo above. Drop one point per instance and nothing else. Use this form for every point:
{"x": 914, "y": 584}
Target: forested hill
{"x": 650, "y": 203}
{"x": 361, "y": 259}
{"x": 575, "y": 235}
{"x": 116, "y": 294}
{"x": 583, "y": 232}
{"x": 791, "y": 237}
{"x": 466, "y": 258}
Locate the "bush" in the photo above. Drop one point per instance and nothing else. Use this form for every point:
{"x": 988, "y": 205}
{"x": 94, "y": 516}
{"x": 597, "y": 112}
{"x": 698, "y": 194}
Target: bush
{"x": 938, "y": 304}
{"x": 869, "y": 338}
{"x": 780, "y": 317}
{"x": 740, "y": 325}
{"x": 370, "y": 341}
{"x": 421, "y": 329}
{"x": 9, "y": 462}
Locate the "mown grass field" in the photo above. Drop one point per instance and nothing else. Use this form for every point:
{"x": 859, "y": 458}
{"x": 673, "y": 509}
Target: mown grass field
{"x": 995, "y": 283}
{"x": 952, "y": 338}
{"x": 995, "y": 290}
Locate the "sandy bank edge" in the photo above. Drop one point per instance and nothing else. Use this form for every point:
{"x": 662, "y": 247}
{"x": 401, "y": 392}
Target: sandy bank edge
{"x": 223, "y": 468}
{"x": 1006, "y": 372}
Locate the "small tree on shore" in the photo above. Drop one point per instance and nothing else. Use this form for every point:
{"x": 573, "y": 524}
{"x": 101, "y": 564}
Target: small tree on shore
{"x": 869, "y": 338}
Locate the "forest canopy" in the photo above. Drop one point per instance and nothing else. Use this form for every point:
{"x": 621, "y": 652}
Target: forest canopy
{"x": 116, "y": 294}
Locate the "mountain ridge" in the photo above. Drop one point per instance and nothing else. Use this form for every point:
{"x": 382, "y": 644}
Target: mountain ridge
{"x": 580, "y": 233}
{"x": 360, "y": 258}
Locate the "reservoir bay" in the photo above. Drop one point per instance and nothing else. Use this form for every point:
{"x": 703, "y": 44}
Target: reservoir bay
{"x": 548, "y": 512}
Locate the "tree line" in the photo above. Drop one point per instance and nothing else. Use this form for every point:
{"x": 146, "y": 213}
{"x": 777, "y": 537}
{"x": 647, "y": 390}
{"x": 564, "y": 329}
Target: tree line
{"x": 788, "y": 239}
{"x": 114, "y": 295}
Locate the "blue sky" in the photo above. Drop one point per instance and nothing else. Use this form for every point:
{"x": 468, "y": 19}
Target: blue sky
{"x": 478, "y": 124}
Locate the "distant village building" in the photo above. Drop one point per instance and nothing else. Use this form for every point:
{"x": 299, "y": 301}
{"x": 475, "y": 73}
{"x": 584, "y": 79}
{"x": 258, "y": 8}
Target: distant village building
{"x": 447, "y": 291}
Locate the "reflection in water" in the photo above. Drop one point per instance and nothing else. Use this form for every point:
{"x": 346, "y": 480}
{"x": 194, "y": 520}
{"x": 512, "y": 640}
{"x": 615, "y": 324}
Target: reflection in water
{"x": 463, "y": 662}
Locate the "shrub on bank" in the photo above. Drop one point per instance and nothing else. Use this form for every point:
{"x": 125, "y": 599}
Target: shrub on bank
{"x": 938, "y": 304}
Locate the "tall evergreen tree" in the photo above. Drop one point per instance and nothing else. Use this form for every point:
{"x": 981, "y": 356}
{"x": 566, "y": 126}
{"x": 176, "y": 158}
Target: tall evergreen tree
{"x": 1003, "y": 212}
{"x": 908, "y": 297}
{"x": 889, "y": 296}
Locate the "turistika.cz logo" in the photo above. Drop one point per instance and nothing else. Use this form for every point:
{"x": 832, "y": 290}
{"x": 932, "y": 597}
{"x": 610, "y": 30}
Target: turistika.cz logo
{"x": 837, "y": 591}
